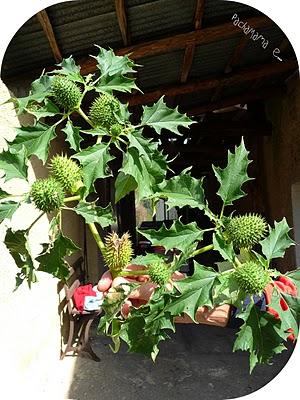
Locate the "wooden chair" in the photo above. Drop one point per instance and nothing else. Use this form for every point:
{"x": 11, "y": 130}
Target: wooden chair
{"x": 79, "y": 325}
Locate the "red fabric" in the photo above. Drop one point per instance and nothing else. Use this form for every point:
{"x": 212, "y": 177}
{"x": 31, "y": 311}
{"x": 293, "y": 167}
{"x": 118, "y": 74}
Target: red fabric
{"x": 284, "y": 285}
{"x": 80, "y": 293}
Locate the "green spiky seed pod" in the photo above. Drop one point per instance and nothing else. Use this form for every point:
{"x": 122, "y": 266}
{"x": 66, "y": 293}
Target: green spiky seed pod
{"x": 47, "y": 194}
{"x": 245, "y": 231}
{"x": 66, "y": 93}
{"x": 159, "y": 273}
{"x": 251, "y": 277}
{"x": 66, "y": 172}
{"x": 102, "y": 111}
{"x": 117, "y": 252}
{"x": 116, "y": 130}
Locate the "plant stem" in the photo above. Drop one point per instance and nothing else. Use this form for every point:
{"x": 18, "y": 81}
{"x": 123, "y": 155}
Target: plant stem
{"x": 237, "y": 262}
{"x": 96, "y": 236}
{"x": 35, "y": 221}
{"x": 85, "y": 117}
{"x": 73, "y": 198}
{"x": 133, "y": 273}
{"x": 202, "y": 250}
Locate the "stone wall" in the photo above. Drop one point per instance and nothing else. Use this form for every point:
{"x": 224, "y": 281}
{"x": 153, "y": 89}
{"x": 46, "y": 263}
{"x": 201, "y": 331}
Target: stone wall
{"x": 31, "y": 326}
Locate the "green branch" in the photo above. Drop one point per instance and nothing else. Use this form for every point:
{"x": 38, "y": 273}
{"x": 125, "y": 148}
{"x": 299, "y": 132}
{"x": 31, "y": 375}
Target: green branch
{"x": 85, "y": 117}
{"x": 202, "y": 250}
{"x": 72, "y": 198}
{"x": 133, "y": 273}
{"x": 96, "y": 236}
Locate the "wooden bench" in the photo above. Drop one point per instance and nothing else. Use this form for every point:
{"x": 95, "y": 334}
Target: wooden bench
{"x": 79, "y": 325}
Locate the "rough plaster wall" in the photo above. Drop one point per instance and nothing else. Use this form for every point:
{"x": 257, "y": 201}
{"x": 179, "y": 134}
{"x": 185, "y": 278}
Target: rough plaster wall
{"x": 281, "y": 159}
{"x": 30, "y": 332}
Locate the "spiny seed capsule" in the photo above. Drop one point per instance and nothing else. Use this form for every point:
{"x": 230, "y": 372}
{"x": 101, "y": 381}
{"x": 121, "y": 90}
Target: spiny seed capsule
{"x": 245, "y": 231}
{"x": 66, "y": 172}
{"x": 47, "y": 194}
{"x": 116, "y": 130}
{"x": 102, "y": 111}
{"x": 159, "y": 273}
{"x": 118, "y": 251}
{"x": 251, "y": 277}
{"x": 66, "y": 93}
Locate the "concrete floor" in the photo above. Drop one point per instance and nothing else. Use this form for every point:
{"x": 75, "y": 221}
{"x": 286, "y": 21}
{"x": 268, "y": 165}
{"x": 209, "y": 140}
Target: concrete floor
{"x": 197, "y": 363}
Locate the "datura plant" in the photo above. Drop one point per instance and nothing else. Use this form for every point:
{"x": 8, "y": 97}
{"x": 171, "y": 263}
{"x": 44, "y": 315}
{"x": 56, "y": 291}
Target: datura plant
{"x": 246, "y": 243}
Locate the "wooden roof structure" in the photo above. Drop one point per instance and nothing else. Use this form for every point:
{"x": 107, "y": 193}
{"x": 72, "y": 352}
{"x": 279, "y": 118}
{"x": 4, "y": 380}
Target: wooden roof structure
{"x": 191, "y": 51}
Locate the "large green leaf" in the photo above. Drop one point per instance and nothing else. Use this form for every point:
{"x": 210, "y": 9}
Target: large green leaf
{"x": 234, "y": 175}
{"x": 124, "y": 184}
{"x": 178, "y": 236}
{"x": 35, "y": 139}
{"x": 52, "y": 260}
{"x": 290, "y": 318}
{"x": 3, "y": 194}
{"x": 40, "y": 89}
{"x": 295, "y": 277}
{"x": 182, "y": 190}
{"x": 160, "y": 116}
{"x": 94, "y": 161}
{"x": 119, "y": 83}
{"x": 275, "y": 245}
{"x": 92, "y": 213}
{"x": 17, "y": 244}
{"x": 196, "y": 291}
{"x": 14, "y": 164}
{"x": 145, "y": 164}
{"x": 70, "y": 69}
{"x": 260, "y": 334}
{"x": 225, "y": 249}
{"x": 111, "y": 64}
{"x": 7, "y": 209}
{"x": 48, "y": 109}
{"x": 73, "y": 135}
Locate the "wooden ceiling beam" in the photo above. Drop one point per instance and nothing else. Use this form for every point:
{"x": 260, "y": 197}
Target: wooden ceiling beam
{"x": 180, "y": 41}
{"x": 122, "y": 21}
{"x": 233, "y": 100}
{"x": 44, "y": 20}
{"x": 244, "y": 75}
{"x": 190, "y": 49}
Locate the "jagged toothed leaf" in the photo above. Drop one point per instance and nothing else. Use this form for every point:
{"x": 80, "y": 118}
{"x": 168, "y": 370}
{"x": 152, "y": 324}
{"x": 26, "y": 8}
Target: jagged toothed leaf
{"x": 111, "y": 64}
{"x": 52, "y": 260}
{"x": 182, "y": 190}
{"x": 14, "y": 164}
{"x": 92, "y": 213}
{"x": 234, "y": 175}
{"x": 70, "y": 69}
{"x": 146, "y": 165}
{"x": 94, "y": 161}
{"x": 119, "y": 83}
{"x": 138, "y": 341}
{"x": 73, "y": 135}
{"x": 17, "y": 244}
{"x": 160, "y": 116}
{"x": 196, "y": 291}
{"x": 178, "y": 236}
{"x": 124, "y": 184}
{"x": 48, "y": 109}
{"x": 7, "y": 209}
{"x": 225, "y": 249}
{"x": 35, "y": 139}
{"x": 275, "y": 245}
{"x": 40, "y": 89}
{"x": 147, "y": 259}
{"x": 261, "y": 335}
{"x": 290, "y": 318}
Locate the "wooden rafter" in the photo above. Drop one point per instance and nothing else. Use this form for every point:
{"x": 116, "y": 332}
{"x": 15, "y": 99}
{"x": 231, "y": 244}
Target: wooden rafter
{"x": 122, "y": 21}
{"x": 180, "y": 41}
{"x": 44, "y": 20}
{"x": 233, "y": 100}
{"x": 190, "y": 49}
{"x": 243, "y": 75}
